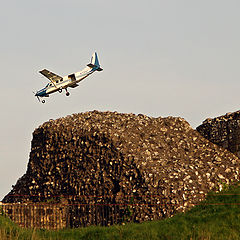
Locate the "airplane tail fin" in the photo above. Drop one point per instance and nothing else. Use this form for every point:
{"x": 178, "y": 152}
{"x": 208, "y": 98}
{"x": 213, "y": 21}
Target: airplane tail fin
{"x": 95, "y": 63}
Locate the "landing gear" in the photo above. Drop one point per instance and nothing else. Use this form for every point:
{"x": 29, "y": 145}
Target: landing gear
{"x": 43, "y": 101}
{"x": 60, "y": 90}
{"x": 67, "y": 93}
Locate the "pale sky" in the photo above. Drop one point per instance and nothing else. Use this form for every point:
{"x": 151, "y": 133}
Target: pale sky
{"x": 160, "y": 58}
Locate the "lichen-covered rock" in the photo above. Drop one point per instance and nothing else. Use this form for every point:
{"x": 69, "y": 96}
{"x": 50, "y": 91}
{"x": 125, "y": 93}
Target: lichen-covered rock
{"x": 159, "y": 165}
{"x": 223, "y": 131}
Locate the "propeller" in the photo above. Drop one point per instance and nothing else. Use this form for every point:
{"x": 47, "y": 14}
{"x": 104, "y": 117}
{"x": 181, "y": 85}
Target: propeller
{"x": 35, "y": 94}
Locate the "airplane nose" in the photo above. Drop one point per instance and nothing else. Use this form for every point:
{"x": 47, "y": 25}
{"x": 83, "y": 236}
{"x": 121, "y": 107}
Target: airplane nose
{"x": 38, "y": 93}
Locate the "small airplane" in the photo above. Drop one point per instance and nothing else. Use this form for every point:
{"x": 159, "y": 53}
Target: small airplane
{"x": 57, "y": 83}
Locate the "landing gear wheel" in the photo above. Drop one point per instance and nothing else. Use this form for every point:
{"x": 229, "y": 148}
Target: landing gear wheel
{"x": 67, "y": 94}
{"x": 43, "y": 101}
{"x": 60, "y": 90}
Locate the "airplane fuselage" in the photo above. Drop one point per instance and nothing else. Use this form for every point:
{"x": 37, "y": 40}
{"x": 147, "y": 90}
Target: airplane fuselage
{"x": 65, "y": 82}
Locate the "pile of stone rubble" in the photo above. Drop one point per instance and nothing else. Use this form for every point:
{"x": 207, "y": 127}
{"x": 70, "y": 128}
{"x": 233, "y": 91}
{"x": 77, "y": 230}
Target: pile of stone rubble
{"x": 158, "y": 165}
{"x": 223, "y": 131}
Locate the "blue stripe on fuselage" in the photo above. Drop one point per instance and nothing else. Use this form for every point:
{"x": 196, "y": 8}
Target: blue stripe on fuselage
{"x": 42, "y": 92}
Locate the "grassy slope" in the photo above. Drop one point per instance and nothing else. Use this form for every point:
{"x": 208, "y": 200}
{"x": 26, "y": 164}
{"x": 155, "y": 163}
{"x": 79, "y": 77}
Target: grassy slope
{"x": 216, "y": 218}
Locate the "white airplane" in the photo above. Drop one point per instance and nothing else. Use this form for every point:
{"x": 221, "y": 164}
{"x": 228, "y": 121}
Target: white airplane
{"x": 58, "y": 83}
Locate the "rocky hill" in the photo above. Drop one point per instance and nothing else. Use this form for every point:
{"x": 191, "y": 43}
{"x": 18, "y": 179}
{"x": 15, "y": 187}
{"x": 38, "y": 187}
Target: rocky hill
{"x": 161, "y": 164}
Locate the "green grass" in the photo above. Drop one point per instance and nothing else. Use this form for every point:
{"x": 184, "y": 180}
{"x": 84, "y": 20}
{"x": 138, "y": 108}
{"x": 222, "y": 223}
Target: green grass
{"x": 216, "y": 218}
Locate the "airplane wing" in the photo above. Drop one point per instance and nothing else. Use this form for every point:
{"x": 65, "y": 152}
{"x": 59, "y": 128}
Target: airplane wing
{"x": 51, "y": 76}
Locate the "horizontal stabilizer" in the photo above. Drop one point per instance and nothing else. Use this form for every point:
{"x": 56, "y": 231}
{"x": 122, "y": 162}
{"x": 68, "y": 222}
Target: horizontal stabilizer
{"x": 93, "y": 66}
